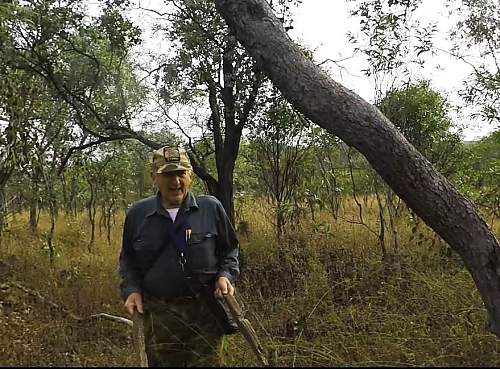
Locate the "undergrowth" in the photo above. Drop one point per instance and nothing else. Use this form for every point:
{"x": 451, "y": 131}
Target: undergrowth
{"x": 322, "y": 295}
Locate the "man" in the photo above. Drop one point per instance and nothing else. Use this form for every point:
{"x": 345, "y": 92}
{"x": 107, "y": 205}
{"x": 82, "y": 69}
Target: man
{"x": 179, "y": 256}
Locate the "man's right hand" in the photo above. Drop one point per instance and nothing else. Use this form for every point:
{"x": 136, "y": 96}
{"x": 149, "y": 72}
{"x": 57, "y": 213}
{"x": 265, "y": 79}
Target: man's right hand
{"x": 134, "y": 302}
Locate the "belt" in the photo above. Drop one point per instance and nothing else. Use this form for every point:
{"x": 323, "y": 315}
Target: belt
{"x": 177, "y": 299}
{"x": 180, "y": 298}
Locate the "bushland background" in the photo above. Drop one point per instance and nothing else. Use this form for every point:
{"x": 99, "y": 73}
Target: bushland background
{"x": 336, "y": 270}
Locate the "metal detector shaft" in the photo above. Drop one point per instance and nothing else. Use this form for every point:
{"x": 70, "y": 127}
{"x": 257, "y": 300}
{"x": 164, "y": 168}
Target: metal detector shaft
{"x": 246, "y": 328}
{"x": 138, "y": 338}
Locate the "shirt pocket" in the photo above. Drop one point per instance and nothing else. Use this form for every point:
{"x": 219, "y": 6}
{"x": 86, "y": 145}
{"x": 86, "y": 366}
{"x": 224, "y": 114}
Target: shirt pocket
{"x": 201, "y": 252}
{"x": 146, "y": 251}
{"x": 149, "y": 236}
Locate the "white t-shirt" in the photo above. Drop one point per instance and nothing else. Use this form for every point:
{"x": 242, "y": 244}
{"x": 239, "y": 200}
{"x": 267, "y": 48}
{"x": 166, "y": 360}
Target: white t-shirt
{"x": 173, "y": 213}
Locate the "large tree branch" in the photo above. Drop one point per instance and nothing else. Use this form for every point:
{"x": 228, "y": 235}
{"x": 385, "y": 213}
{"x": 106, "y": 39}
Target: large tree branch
{"x": 216, "y": 118}
{"x": 360, "y": 124}
{"x": 201, "y": 172}
{"x": 86, "y": 146}
{"x": 227, "y": 93}
{"x": 250, "y": 102}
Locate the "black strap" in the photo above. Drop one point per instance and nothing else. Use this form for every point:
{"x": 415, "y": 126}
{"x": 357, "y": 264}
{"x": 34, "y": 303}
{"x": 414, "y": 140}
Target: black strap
{"x": 179, "y": 245}
{"x": 179, "y": 233}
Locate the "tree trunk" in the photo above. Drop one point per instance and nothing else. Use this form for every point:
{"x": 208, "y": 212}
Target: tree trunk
{"x": 74, "y": 198}
{"x": 33, "y": 215}
{"x": 109, "y": 214}
{"x": 52, "y": 231}
{"x": 3, "y": 210}
{"x": 229, "y": 114}
{"x": 225, "y": 187}
{"x": 381, "y": 234}
{"x": 91, "y": 210}
{"x": 102, "y": 219}
{"x": 360, "y": 124}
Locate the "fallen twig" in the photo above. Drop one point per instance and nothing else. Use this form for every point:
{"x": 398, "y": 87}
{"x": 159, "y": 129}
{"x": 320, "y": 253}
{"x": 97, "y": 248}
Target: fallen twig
{"x": 113, "y": 317}
{"x": 68, "y": 313}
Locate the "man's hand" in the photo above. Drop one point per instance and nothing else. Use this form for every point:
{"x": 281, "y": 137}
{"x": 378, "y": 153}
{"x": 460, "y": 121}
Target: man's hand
{"x": 223, "y": 287}
{"x": 133, "y": 302}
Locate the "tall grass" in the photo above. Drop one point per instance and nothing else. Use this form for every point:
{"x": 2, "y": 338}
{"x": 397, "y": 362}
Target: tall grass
{"x": 321, "y": 296}
{"x": 82, "y": 282}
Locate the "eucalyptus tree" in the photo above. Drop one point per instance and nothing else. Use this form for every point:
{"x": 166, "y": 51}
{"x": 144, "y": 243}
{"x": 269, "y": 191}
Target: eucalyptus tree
{"x": 46, "y": 136}
{"x": 361, "y": 125}
{"x": 392, "y": 40}
{"x": 116, "y": 175}
{"x": 49, "y": 142}
{"x": 93, "y": 169}
{"x": 16, "y": 96}
{"x": 423, "y": 116}
{"x": 478, "y": 28}
{"x": 84, "y": 62}
{"x": 208, "y": 66}
{"x": 80, "y": 63}
{"x": 332, "y": 174}
{"x": 279, "y": 141}
{"x": 479, "y": 174}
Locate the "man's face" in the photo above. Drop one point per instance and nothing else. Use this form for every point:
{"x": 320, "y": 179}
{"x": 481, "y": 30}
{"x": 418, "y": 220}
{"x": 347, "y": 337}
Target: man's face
{"x": 173, "y": 187}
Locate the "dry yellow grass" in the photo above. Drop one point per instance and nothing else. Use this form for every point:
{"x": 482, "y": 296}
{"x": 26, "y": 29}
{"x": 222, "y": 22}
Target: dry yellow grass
{"x": 321, "y": 297}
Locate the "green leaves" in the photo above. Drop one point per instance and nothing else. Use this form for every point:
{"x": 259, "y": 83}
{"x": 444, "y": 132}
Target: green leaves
{"x": 120, "y": 32}
{"x": 478, "y": 28}
{"x": 480, "y": 171}
{"x": 421, "y": 114}
{"x": 63, "y": 79}
{"x": 390, "y": 38}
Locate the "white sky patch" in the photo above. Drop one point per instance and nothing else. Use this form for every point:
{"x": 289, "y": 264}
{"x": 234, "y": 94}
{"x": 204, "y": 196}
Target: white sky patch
{"x": 322, "y": 25}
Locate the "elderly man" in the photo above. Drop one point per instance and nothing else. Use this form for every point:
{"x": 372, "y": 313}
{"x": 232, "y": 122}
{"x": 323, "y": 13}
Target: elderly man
{"x": 179, "y": 256}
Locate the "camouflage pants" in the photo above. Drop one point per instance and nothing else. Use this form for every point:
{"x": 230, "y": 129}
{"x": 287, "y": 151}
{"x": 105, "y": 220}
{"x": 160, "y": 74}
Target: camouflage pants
{"x": 181, "y": 332}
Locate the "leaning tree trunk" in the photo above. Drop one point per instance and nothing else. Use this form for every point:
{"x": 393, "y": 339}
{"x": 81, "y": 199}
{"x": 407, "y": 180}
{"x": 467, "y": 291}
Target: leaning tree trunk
{"x": 359, "y": 124}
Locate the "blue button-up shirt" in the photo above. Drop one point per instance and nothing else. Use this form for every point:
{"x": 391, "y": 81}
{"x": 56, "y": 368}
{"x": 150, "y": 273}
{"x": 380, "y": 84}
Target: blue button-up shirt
{"x": 149, "y": 259}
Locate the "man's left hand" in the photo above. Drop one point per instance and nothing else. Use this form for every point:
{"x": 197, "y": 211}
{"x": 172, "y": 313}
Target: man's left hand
{"x": 223, "y": 287}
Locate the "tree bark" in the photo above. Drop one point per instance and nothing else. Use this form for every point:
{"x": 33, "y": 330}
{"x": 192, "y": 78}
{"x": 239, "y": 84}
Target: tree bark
{"x": 91, "y": 211}
{"x": 33, "y": 215}
{"x": 359, "y": 124}
{"x": 3, "y": 209}
{"x": 52, "y": 231}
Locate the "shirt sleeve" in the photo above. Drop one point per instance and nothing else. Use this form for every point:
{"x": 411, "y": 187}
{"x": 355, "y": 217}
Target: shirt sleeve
{"x": 129, "y": 273}
{"x": 228, "y": 246}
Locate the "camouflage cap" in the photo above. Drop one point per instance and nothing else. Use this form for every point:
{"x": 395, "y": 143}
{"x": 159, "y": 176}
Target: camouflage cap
{"x": 170, "y": 158}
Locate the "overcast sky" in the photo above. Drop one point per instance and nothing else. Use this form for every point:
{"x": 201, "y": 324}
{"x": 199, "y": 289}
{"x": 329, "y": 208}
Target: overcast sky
{"x": 322, "y": 26}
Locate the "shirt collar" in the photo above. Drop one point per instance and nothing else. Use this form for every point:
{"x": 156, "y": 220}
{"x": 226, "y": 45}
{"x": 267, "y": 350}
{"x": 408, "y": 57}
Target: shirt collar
{"x": 188, "y": 204}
